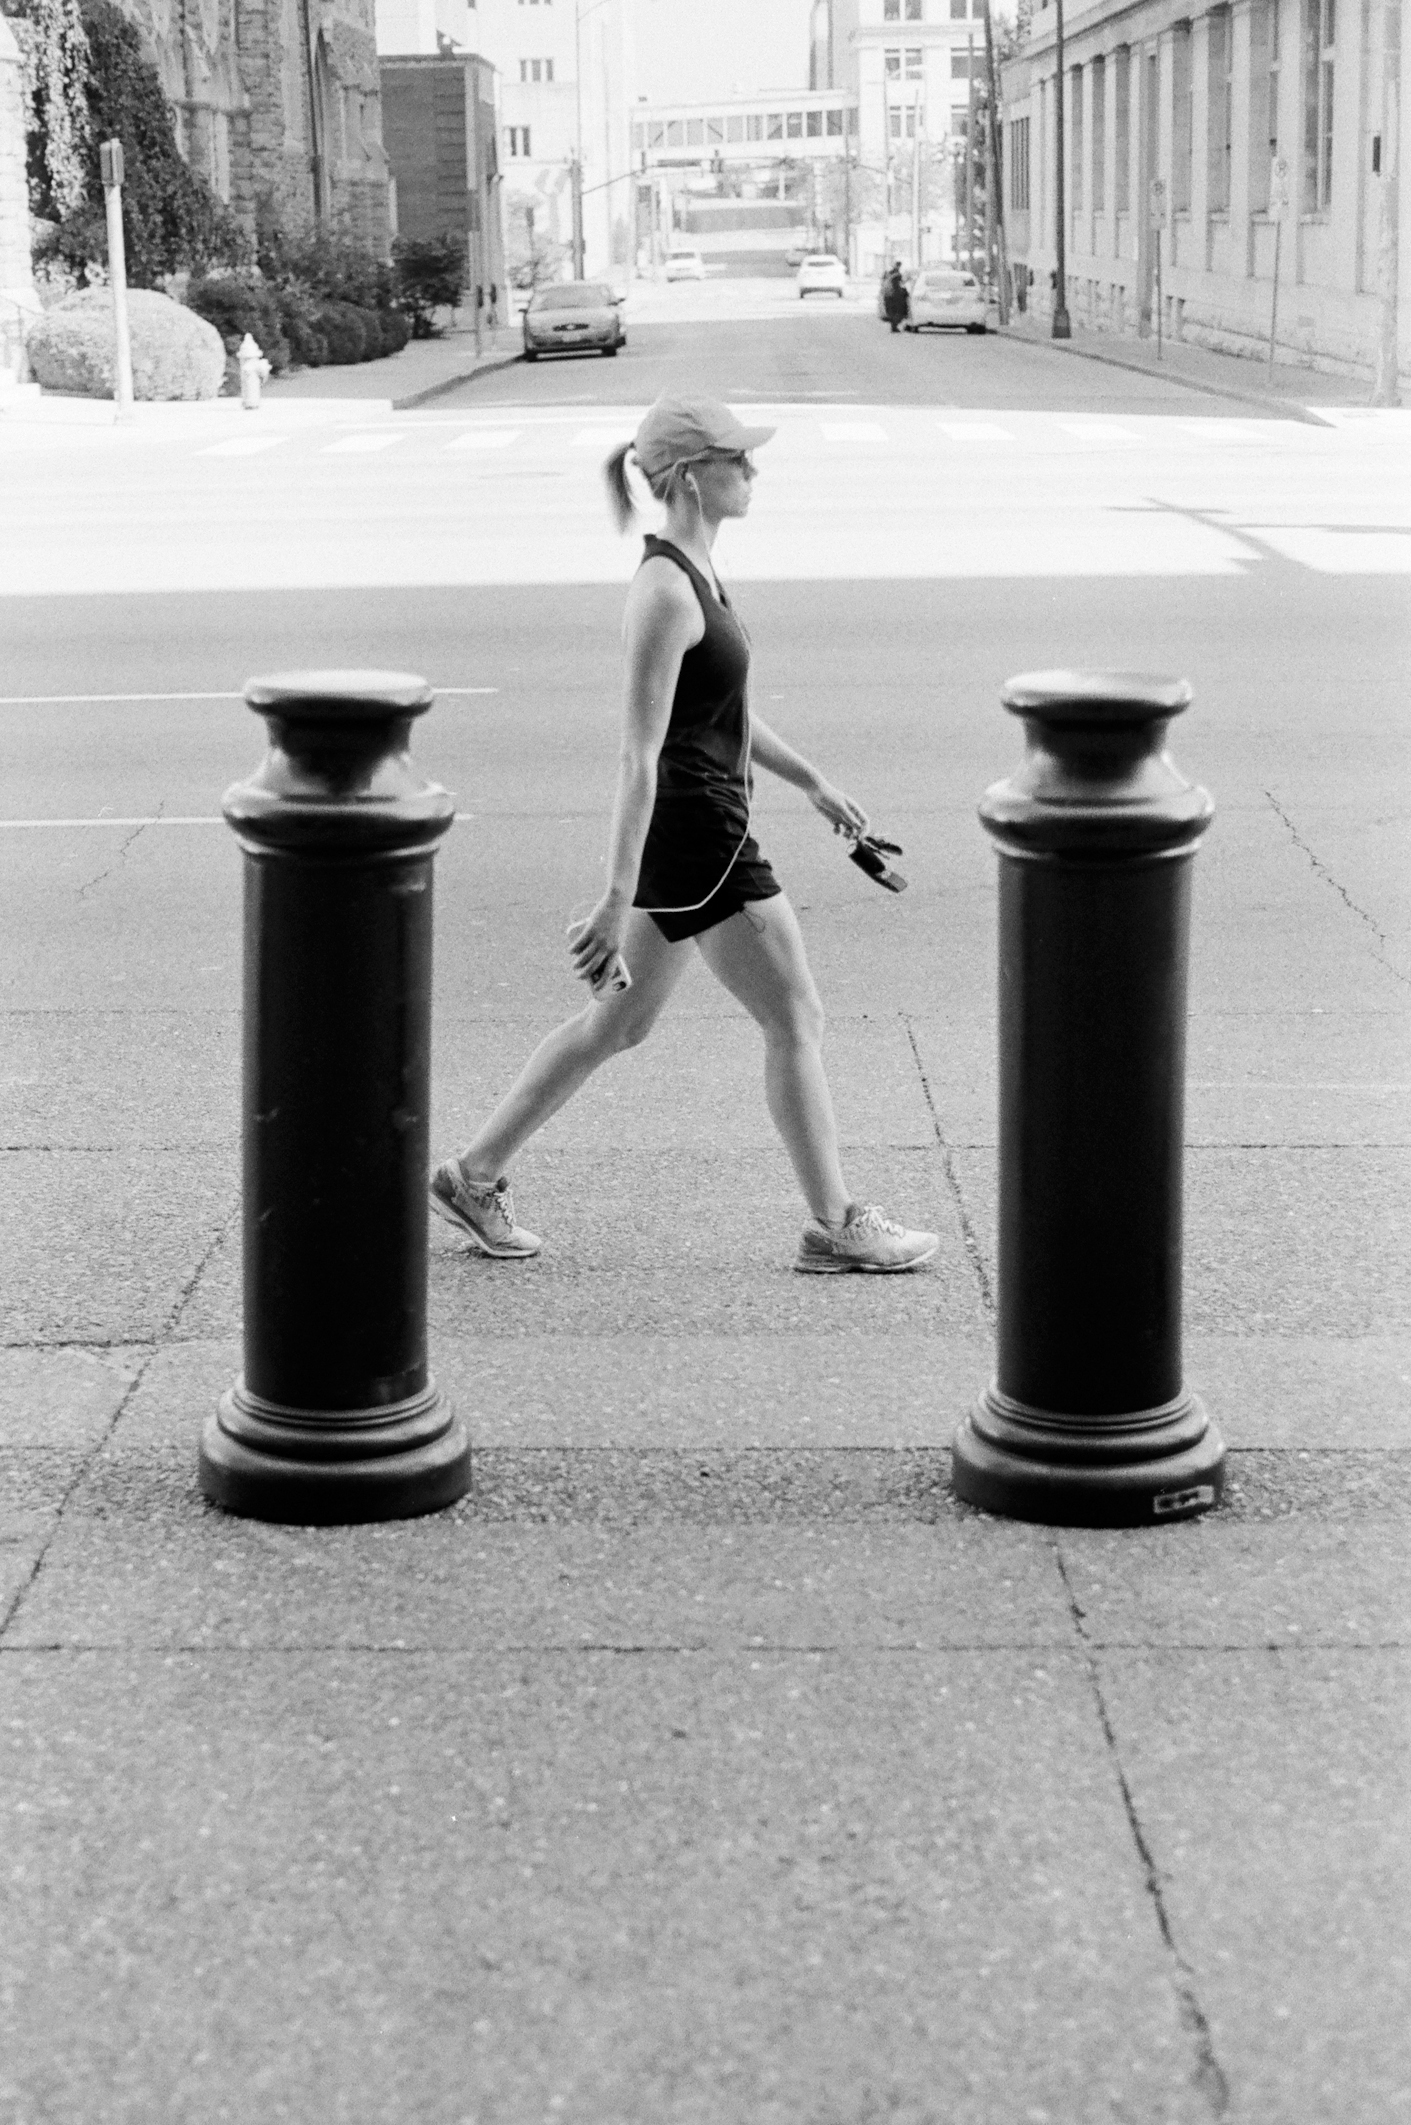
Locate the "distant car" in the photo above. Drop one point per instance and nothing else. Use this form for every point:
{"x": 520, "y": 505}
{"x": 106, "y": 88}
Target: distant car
{"x": 796, "y": 254}
{"x": 684, "y": 265}
{"x": 572, "y": 317}
{"x": 944, "y": 296}
{"x": 822, "y": 274}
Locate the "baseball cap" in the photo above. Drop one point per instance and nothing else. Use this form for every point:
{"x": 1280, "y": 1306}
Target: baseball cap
{"x": 677, "y": 428}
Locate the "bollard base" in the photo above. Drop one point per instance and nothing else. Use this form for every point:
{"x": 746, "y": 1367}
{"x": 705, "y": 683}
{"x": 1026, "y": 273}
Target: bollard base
{"x": 312, "y": 1468}
{"x": 1133, "y": 1471}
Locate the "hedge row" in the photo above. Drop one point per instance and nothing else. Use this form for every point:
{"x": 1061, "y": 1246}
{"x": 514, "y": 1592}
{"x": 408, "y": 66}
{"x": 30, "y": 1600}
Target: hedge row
{"x": 293, "y": 325}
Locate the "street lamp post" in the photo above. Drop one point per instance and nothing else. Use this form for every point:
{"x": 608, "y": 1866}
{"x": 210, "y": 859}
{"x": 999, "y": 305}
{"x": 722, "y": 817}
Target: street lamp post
{"x": 1062, "y": 329}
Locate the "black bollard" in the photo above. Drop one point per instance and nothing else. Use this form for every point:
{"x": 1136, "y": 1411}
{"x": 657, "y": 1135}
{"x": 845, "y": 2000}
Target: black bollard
{"x": 1088, "y": 1422}
{"x": 336, "y": 1418}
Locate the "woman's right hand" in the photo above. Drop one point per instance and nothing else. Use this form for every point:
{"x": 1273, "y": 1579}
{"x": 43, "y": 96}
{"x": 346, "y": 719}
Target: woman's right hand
{"x": 594, "y": 940}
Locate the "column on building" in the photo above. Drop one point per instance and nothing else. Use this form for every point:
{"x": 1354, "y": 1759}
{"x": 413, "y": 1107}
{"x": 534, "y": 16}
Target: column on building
{"x": 1243, "y": 128}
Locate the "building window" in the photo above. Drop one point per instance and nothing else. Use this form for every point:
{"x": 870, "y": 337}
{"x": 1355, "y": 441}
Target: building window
{"x": 715, "y": 132}
{"x": 754, "y": 125}
{"x": 774, "y": 125}
{"x": 734, "y": 129}
{"x": 852, "y": 119}
{"x": 1099, "y": 136}
{"x": 695, "y": 132}
{"x": 960, "y": 66}
{"x": 814, "y": 127}
{"x": 835, "y": 123}
{"x": 1221, "y": 105}
{"x": 1122, "y": 119}
{"x": 913, "y": 63}
{"x": 891, "y": 10}
{"x": 912, "y": 10}
{"x": 639, "y": 138}
{"x": 1182, "y": 119}
{"x": 1318, "y": 48}
{"x": 517, "y": 141}
{"x": 891, "y": 62}
{"x": 1019, "y": 164}
{"x": 536, "y": 69}
{"x": 794, "y": 127}
{"x": 675, "y": 133}
{"x": 656, "y": 135}
{"x": 957, "y": 10}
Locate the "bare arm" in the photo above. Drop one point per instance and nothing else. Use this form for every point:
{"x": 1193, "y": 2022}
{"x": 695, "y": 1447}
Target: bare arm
{"x": 662, "y": 622}
{"x": 769, "y": 751}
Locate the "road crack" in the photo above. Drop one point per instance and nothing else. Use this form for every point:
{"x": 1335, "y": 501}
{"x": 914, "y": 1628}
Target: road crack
{"x": 1209, "y": 2075}
{"x": 1381, "y": 950}
{"x": 124, "y": 845}
{"x": 957, "y": 1193}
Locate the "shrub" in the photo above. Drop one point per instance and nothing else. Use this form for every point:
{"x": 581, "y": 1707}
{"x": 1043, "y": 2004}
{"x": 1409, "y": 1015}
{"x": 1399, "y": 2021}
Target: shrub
{"x": 430, "y": 277}
{"x": 327, "y": 264}
{"x": 236, "y": 304}
{"x": 342, "y": 326}
{"x": 396, "y": 330}
{"x": 175, "y": 353}
{"x": 171, "y": 219}
{"x": 298, "y": 317}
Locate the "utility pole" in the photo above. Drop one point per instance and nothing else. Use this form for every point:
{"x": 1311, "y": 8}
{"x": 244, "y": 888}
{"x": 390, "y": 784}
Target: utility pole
{"x": 994, "y": 197}
{"x": 971, "y": 158}
{"x": 1385, "y": 385}
{"x": 576, "y": 172}
{"x": 110, "y": 162}
{"x": 1062, "y": 329}
{"x": 916, "y": 182}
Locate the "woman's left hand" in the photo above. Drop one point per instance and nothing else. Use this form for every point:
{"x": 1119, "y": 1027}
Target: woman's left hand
{"x": 848, "y": 818}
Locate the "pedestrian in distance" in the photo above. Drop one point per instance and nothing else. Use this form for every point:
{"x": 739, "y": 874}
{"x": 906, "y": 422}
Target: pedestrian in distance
{"x": 684, "y": 872}
{"x": 896, "y": 303}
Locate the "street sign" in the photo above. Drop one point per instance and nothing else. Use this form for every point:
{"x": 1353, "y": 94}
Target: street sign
{"x": 1156, "y": 212}
{"x": 1278, "y": 187}
{"x": 110, "y": 163}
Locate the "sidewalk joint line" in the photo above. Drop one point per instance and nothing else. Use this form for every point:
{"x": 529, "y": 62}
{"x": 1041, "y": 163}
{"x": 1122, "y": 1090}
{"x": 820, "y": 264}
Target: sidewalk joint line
{"x": 1209, "y": 2076}
{"x": 1321, "y": 869}
{"x": 967, "y": 1230}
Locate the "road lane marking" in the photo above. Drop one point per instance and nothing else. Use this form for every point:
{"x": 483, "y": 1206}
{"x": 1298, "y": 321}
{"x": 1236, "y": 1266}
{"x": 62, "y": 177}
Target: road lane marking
{"x": 1099, "y": 431}
{"x": 346, "y": 445}
{"x": 853, "y": 432}
{"x": 974, "y": 432}
{"x": 240, "y": 446}
{"x": 155, "y": 819}
{"x": 483, "y": 439}
{"x": 83, "y": 700}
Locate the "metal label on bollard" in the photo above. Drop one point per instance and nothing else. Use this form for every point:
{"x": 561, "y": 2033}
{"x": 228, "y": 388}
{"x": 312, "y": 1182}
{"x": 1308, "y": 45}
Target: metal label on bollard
{"x": 336, "y": 1417}
{"x": 1088, "y": 1420}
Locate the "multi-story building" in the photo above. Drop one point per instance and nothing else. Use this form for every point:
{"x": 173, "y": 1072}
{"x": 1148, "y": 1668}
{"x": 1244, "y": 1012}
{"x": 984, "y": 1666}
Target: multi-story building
{"x": 1209, "y": 140}
{"x": 909, "y": 65}
{"x": 440, "y": 125}
{"x": 564, "y": 79}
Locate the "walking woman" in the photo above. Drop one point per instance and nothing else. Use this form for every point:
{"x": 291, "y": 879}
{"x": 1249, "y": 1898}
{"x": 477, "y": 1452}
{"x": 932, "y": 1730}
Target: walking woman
{"x": 684, "y": 871}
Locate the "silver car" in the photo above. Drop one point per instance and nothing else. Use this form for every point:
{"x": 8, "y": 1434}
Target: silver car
{"x": 573, "y": 317}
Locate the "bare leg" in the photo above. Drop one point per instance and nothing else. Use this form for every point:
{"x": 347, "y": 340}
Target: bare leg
{"x": 567, "y": 1057}
{"x": 759, "y": 956}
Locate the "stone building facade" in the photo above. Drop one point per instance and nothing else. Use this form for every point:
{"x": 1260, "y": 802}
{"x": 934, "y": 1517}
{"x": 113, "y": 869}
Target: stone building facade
{"x": 18, "y": 302}
{"x": 1209, "y": 140}
{"x": 277, "y": 101}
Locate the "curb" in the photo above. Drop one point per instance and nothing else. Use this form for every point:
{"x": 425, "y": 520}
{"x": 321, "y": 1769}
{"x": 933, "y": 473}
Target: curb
{"x": 453, "y": 383}
{"x": 1287, "y": 408}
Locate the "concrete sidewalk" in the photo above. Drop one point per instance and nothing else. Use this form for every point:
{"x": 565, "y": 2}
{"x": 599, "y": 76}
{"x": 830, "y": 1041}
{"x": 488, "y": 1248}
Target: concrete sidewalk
{"x": 415, "y": 377}
{"x": 1182, "y": 362}
{"x": 708, "y": 1762}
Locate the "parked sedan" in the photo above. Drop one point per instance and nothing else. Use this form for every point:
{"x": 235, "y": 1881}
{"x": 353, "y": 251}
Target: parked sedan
{"x": 684, "y": 265}
{"x": 822, "y": 274}
{"x": 572, "y": 317}
{"x": 941, "y": 295}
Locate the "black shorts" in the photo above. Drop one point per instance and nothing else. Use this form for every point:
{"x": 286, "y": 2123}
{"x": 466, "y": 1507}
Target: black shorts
{"x": 749, "y": 878}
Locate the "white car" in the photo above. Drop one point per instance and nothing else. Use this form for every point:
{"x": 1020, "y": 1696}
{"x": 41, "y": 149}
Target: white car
{"x": 822, "y": 274}
{"x": 944, "y": 296}
{"x": 684, "y": 265}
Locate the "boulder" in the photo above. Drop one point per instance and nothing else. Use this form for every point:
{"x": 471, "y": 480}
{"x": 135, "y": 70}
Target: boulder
{"x": 175, "y": 353}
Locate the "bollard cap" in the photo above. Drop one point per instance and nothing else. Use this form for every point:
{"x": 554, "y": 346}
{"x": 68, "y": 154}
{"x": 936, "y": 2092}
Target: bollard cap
{"x": 1102, "y": 697}
{"x": 338, "y": 779}
{"x": 1096, "y": 783}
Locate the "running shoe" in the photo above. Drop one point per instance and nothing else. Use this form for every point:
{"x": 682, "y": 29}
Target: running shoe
{"x": 484, "y": 1214}
{"x": 868, "y": 1242}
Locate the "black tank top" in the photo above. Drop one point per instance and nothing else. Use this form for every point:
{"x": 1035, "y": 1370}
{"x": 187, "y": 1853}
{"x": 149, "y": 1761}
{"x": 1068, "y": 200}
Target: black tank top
{"x": 706, "y": 749}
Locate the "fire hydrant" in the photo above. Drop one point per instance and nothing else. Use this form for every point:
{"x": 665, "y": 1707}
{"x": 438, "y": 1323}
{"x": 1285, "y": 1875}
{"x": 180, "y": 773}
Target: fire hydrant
{"x": 253, "y": 371}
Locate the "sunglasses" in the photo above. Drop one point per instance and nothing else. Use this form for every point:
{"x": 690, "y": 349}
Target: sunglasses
{"x": 870, "y": 852}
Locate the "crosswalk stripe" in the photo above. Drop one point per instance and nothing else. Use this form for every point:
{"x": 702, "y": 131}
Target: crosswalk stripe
{"x": 241, "y": 446}
{"x": 853, "y": 432}
{"x": 484, "y": 439}
{"x": 602, "y": 438}
{"x": 348, "y": 445}
{"x": 974, "y": 432}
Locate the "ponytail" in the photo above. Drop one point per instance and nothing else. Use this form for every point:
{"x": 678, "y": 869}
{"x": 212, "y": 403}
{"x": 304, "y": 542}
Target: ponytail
{"x": 619, "y": 493}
